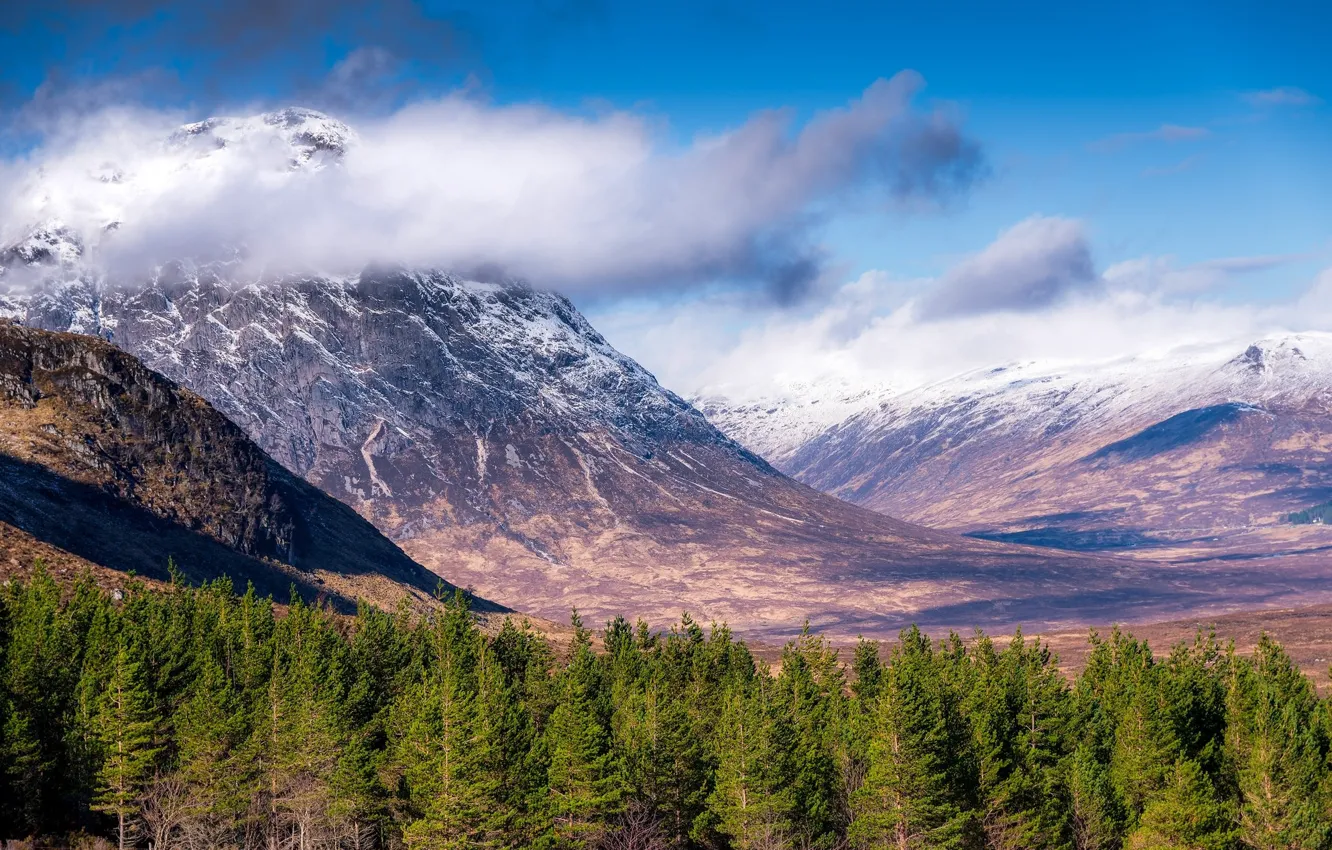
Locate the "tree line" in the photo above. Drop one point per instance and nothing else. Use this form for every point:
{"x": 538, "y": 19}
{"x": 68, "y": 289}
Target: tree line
{"x": 1316, "y": 514}
{"x": 199, "y": 718}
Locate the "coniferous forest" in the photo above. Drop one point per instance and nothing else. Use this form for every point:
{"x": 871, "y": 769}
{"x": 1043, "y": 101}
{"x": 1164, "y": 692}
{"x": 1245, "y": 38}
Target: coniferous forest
{"x": 195, "y": 717}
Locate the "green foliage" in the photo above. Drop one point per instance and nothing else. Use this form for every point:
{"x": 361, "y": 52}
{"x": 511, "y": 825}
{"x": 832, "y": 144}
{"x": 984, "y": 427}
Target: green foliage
{"x": 198, "y": 718}
{"x": 126, "y": 726}
{"x": 1186, "y": 815}
{"x": 582, "y": 778}
{"x": 1316, "y": 514}
{"x": 920, "y": 791}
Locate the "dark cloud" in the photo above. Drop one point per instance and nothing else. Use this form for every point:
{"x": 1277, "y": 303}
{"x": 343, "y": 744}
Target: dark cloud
{"x": 1031, "y": 266}
{"x": 279, "y": 47}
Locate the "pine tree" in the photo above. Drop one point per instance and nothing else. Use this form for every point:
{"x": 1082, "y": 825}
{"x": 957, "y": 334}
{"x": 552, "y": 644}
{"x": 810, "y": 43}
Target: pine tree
{"x": 209, "y": 732}
{"x": 1036, "y": 800}
{"x": 501, "y": 738}
{"x": 1186, "y": 815}
{"x": 20, "y": 756}
{"x": 210, "y": 722}
{"x": 41, "y": 672}
{"x": 1279, "y": 752}
{"x": 1146, "y": 744}
{"x": 583, "y": 782}
{"x": 296, "y": 741}
{"x": 455, "y": 747}
{"x": 1096, "y": 813}
{"x": 809, "y": 691}
{"x": 442, "y": 768}
{"x": 127, "y": 726}
{"x": 867, "y": 671}
{"x": 748, "y": 804}
{"x": 915, "y": 794}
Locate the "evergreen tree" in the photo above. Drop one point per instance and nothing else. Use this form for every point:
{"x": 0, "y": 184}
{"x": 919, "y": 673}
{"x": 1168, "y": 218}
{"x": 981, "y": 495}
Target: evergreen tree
{"x": 212, "y": 720}
{"x": 1095, "y": 811}
{"x": 583, "y": 782}
{"x": 1279, "y": 753}
{"x": 1017, "y": 710}
{"x": 914, "y": 795}
{"x": 1186, "y": 815}
{"x": 441, "y": 767}
{"x": 1146, "y": 745}
{"x": 21, "y": 758}
{"x": 209, "y": 733}
{"x": 809, "y": 693}
{"x": 42, "y": 669}
{"x": 748, "y": 804}
{"x": 127, "y": 726}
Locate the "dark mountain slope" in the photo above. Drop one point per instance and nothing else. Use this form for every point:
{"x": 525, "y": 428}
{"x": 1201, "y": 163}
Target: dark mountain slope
{"x": 105, "y": 459}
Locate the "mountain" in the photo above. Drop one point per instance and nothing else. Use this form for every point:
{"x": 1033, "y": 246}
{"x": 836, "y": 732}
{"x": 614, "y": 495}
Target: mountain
{"x": 113, "y": 465}
{"x": 490, "y": 431}
{"x": 1197, "y": 454}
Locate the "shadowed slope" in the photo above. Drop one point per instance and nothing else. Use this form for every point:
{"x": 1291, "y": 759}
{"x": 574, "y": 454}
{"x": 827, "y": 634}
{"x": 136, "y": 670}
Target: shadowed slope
{"x": 103, "y": 458}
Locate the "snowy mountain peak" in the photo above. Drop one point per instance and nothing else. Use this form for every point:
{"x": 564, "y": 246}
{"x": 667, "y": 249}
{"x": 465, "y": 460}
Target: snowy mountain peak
{"x": 1285, "y": 368}
{"x": 1277, "y": 353}
{"x": 312, "y": 137}
{"x": 78, "y": 209}
{"x": 49, "y": 243}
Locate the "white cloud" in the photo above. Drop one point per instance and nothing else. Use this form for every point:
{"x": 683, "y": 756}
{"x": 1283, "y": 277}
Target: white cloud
{"x": 873, "y": 330}
{"x": 1164, "y": 275}
{"x": 579, "y": 203}
{"x": 1282, "y": 96}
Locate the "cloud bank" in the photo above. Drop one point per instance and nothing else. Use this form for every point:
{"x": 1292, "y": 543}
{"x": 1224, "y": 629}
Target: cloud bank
{"x": 569, "y": 201}
{"x": 1034, "y": 293}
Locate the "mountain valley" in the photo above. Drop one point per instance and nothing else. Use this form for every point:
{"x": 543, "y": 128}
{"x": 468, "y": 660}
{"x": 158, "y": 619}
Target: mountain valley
{"x": 489, "y": 430}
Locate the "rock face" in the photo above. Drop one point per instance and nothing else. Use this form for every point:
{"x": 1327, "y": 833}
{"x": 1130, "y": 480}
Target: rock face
{"x": 107, "y": 460}
{"x": 1200, "y": 454}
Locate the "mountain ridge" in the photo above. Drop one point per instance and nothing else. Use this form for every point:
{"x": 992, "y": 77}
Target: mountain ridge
{"x": 488, "y": 429}
{"x": 1198, "y": 452}
{"x": 106, "y": 460}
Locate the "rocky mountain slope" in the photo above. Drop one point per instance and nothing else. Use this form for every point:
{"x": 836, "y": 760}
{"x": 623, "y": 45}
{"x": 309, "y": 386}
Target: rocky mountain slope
{"x": 105, "y": 460}
{"x": 502, "y": 442}
{"x": 1193, "y": 455}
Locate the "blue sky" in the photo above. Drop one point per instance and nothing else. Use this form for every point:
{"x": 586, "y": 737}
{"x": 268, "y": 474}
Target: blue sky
{"x": 1184, "y": 131}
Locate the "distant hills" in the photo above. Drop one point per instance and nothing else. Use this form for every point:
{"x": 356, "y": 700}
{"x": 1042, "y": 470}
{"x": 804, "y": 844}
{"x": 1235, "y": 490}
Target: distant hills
{"x": 1193, "y": 455}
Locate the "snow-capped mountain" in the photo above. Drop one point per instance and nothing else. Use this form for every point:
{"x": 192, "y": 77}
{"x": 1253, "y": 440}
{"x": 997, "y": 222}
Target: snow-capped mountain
{"x": 67, "y": 214}
{"x": 775, "y": 426}
{"x": 1194, "y": 453}
{"x": 488, "y": 429}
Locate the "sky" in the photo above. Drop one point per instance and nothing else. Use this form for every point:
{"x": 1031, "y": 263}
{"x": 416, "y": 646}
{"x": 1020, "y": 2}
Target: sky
{"x": 750, "y": 195}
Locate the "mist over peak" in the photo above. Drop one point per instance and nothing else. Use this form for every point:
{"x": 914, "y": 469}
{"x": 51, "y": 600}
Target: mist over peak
{"x": 584, "y": 204}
